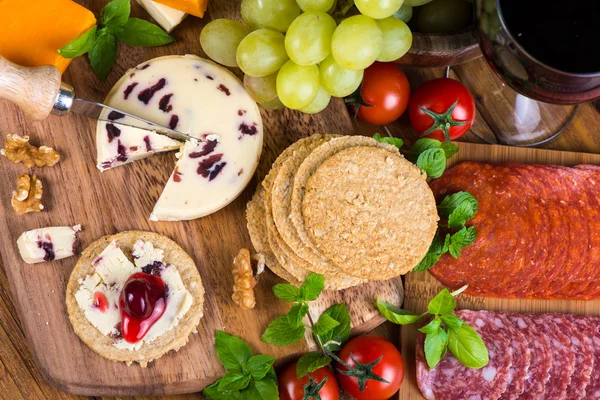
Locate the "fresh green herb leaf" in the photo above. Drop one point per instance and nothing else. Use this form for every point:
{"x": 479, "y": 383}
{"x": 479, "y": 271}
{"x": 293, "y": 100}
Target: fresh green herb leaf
{"x": 396, "y": 314}
{"x": 432, "y": 326}
{"x": 312, "y": 287}
{"x": 449, "y": 148}
{"x": 271, "y": 375}
{"x": 436, "y": 344}
{"x": 260, "y": 365}
{"x": 461, "y": 239}
{"x": 446, "y": 246}
{"x": 333, "y": 339}
{"x": 265, "y": 389}
{"x": 452, "y": 321}
{"x": 286, "y": 292}
{"x": 427, "y": 262}
{"x": 421, "y": 146}
{"x": 296, "y": 314}
{"x": 139, "y": 32}
{"x": 443, "y": 303}
{"x": 458, "y": 207}
{"x": 281, "y": 333}
{"x": 324, "y": 325}
{"x": 233, "y": 380}
{"x": 232, "y": 351}
{"x": 79, "y": 46}
{"x": 212, "y": 393}
{"x": 389, "y": 140}
{"x": 103, "y": 53}
{"x": 467, "y": 346}
{"x": 116, "y": 13}
{"x": 433, "y": 162}
{"x": 310, "y": 362}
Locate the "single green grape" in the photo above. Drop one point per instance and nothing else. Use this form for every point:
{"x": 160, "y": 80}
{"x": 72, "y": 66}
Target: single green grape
{"x": 275, "y": 104}
{"x": 320, "y": 102}
{"x": 397, "y": 39}
{"x": 220, "y": 39}
{"x": 357, "y": 42}
{"x": 315, "y": 5}
{"x": 378, "y": 9}
{"x": 405, "y": 13}
{"x": 263, "y": 91}
{"x": 261, "y": 53}
{"x": 308, "y": 39}
{"x": 297, "y": 85}
{"x": 338, "y": 81}
{"x": 272, "y": 14}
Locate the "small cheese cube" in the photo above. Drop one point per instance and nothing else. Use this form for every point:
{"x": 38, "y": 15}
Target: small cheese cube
{"x": 193, "y": 7}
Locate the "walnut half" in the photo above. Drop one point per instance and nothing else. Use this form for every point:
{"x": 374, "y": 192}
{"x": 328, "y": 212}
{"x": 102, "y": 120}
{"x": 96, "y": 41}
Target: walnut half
{"x": 18, "y": 150}
{"x": 28, "y": 196}
{"x": 245, "y": 276}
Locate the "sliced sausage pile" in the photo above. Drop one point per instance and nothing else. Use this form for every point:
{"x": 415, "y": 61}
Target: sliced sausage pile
{"x": 531, "y": 356}
{"x": 538, "y": 231}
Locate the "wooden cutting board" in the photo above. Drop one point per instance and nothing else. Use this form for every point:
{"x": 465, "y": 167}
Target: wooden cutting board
{"x": 121, "y": 199}
{"x": 420, "y": 287}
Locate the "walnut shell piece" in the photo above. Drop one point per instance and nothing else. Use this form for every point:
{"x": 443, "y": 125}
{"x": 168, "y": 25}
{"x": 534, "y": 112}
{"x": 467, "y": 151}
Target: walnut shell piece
{"x": 28, "y": 196}
{"x": 18, "y": 150}
{"x": 245, "y": 272}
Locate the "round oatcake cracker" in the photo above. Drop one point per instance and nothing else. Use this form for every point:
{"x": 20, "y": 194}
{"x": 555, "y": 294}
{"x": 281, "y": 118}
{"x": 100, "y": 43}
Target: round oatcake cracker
{"x": 173, "y": 339}
{"x": 371, "y": 211}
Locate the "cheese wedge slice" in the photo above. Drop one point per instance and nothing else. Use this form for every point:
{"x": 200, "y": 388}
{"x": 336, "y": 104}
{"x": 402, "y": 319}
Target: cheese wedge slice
{"x": 48, "y": 244}
{"x": 167, "y": 17}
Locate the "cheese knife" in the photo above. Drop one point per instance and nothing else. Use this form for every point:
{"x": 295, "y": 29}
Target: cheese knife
{"x": 39, "y": 92}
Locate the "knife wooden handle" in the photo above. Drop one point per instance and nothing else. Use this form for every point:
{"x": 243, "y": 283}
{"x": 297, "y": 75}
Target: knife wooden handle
{"x": 33, "y": 89}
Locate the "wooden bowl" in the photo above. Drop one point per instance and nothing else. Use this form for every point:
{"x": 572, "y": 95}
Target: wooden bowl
{"x": 442, "y": 50}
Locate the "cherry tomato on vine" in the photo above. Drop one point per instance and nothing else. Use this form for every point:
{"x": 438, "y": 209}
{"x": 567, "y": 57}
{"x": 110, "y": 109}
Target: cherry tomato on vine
{"x": 361, "y": 353}
{"x": 442, "y": 109}
{"x": 292, "y": 387}
{"x": 386, "y": 89}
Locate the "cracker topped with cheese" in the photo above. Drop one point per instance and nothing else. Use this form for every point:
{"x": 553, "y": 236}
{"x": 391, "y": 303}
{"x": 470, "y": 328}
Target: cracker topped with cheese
{"x": 134, "y": 296}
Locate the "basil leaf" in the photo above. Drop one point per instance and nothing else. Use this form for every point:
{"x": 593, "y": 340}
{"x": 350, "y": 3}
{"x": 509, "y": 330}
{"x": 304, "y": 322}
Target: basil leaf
{"x": 281, "y": 333}
{"x": 452, "y": 321}
{"x": 271, "y": 375}
{"x": 296, "y": 314}
{"x": 449, "y": 148}
{"x": 446, "y": 246}
{"x": 389, "y": 140}
{"x": 467, "y": 347}
{"x": 333, "y": 339}
{"x": 463, "y": 203}
{"x": 432, "y": 326}
{"x": 260, "y": 365}
{"x": 212, "y": 392}
{"x": 312, "y": 287}
{"x": 79, "y": 46}
{"x": 265, "y": 389}
{"x": 232, "y": 351}
{"x": 395, "y": 314}
{"x": 233, "y": 380}
{"x": 427, "y": 262}
{"x": 287, "y": 292}
{"x": 436, "y": 344}
{"x": 421, "y": 146}
{"x": 433, "y": 162}
{"x": 139, "y": 32}
{"x": 324, "y": 325}
{"x": 461, "y": 239}
{"x": 116, "y": 13}
{"x": 103, "y": 53}
{"x": 443, "y": 303}
{"x": 310, "y": 362}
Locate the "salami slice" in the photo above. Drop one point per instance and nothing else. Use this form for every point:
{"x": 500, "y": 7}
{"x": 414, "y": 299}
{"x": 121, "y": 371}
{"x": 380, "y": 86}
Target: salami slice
{"x": 541, "y": 356}
{"x": 450, "y": 380}
{"x": 563, "y": 358}
{"x": 582, "y": 334}
{"x": 521, "y": 358}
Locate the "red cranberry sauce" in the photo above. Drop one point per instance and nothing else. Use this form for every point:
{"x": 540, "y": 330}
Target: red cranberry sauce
{"x": 100, "y": 302}
{"x": 142, "y": 302}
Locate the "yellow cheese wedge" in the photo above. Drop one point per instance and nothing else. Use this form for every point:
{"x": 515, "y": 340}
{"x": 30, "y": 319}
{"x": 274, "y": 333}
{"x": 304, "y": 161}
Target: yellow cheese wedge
{"x": 193, "y": 7}
{"x": 32, "y": 31}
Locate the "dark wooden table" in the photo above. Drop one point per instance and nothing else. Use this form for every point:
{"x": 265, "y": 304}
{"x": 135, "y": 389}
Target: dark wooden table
{"x": 19, "y": 378}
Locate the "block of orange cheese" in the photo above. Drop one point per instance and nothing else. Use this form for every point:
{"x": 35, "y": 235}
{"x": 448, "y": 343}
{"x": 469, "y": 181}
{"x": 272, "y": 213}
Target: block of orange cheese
{"x": 193, "y": 7}
{"x": 32, "y": 31}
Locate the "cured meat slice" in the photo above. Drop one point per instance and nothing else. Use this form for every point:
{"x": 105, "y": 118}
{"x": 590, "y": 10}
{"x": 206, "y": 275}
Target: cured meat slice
{"x": 563, "y": 358}
{"x": 450, "y": 380}
{"x": 541, "y": 356}
{"x": 582, "y": 334}
{"x": 521, "y": 357}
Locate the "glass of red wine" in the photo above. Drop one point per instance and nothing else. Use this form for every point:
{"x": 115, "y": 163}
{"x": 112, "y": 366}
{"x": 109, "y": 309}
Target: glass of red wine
{"x": 545, "y": 60}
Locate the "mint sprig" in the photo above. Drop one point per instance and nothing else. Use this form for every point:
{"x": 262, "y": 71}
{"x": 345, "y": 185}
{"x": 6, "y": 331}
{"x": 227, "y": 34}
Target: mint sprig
{"x": 101, "y": 41}
{"x": 248, "y": 377}
{"x": 444, "y": 332}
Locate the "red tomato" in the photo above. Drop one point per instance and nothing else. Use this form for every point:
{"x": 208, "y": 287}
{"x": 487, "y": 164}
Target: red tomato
{"x": 292, "y": 388}
{"x": 438, "y": 96}
{"x": 366, "y": 349}
{"x": 386, "y": 88}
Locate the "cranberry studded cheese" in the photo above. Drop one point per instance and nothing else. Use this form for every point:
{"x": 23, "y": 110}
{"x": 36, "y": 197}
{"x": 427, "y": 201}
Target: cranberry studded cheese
{"x": 197, "y": 97}
{"x": 48, "y": 244}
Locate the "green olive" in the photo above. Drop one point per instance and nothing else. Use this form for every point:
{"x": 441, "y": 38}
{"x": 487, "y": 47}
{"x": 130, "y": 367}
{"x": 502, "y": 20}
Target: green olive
{"x": 443, "y": 16}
